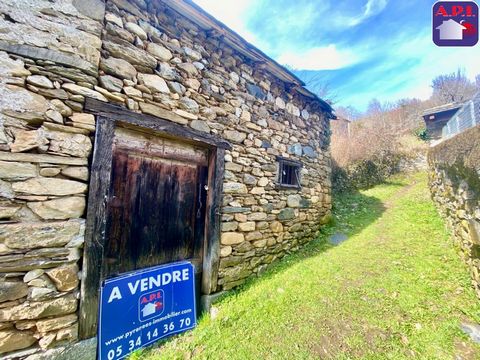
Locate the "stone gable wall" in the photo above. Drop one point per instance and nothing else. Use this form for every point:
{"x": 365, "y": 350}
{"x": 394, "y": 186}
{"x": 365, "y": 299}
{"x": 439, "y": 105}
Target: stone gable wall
{"x": 47, "y": 49}
{"x": 149, "y": 59}
{"x": 454, "y": 179}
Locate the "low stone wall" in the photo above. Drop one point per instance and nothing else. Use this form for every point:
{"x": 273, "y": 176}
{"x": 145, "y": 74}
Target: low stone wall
{"x": 454, "y": 177}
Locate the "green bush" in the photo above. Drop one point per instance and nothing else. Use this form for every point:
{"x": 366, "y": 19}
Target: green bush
{"x": 341, "y": 181}
{"x": 421, "y": 133}
{"x": 364, "y": 174}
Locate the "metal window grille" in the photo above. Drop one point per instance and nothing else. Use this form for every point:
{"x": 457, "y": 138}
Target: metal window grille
{"x": 289, "y": 174}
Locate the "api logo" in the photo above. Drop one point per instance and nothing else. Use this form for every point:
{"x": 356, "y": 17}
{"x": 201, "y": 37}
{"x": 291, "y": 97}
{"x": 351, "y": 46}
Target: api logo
{"x": 455, "y": 23}
{"x": 150, "y": 305}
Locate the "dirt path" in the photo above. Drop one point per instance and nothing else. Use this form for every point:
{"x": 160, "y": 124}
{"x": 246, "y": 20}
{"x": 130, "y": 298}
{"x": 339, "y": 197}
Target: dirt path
{"x": 396, "y": 289}
{"x": 389, "y": 203}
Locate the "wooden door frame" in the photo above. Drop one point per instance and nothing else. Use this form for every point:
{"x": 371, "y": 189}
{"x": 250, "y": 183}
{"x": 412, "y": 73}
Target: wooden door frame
{"x": 108, "y": 117}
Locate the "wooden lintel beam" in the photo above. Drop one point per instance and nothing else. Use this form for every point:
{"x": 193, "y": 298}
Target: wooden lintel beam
{"x": 122, "y": 114}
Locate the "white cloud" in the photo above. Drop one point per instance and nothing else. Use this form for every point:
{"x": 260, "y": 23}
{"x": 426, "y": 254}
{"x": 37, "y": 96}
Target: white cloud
{"x": 232, "y": 13}
{"x": 319, "y": 58}
{"x": 374, "y": 7}
{"x": 424, "y": 61}
{"x": 432, "y": 61}
{"x": 371, "y": 8}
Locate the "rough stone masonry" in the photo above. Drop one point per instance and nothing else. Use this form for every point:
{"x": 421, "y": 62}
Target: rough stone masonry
{"x": 149, "y": 58}
{"x": 454, "y": 179}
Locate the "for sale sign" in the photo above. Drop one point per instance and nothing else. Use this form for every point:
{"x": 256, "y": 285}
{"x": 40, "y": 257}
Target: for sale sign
{"x": 141, "y": 307}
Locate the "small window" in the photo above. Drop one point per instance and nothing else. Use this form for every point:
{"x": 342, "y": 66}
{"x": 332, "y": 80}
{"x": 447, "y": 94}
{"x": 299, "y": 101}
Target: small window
{"x": 288, "y": 173}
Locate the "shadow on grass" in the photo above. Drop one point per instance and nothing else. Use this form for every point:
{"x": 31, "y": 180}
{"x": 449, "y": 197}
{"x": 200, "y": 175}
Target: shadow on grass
{"x": 352, "y": 212}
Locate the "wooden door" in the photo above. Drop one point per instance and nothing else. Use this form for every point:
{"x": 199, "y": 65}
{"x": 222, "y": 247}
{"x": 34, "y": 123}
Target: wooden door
{"x": 148, "y": 203}
{"x": 157, "y": 201}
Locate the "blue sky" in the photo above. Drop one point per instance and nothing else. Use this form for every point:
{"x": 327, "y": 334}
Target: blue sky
{"x": 362, "y": 49}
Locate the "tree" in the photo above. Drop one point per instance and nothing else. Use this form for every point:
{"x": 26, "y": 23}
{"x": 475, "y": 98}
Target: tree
{"x": 347, "y": 112}
{"x": 325, "y": 92}
{"x": 453, "y": 87}
{"x": 374, "y": 108}
{"x": 317, "y": 83}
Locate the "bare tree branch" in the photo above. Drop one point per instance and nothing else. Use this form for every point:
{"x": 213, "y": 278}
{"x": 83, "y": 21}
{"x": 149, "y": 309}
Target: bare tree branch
{"x": 453, "y": 87}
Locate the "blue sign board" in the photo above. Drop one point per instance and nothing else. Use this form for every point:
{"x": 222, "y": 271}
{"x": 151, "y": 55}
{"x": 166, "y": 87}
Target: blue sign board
{"x": 144, "y": 306}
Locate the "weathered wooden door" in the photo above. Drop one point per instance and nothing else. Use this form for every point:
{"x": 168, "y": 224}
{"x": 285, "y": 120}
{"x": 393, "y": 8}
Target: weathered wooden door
{"x": 154, "y": 198}
{"x": 157, "y": 200}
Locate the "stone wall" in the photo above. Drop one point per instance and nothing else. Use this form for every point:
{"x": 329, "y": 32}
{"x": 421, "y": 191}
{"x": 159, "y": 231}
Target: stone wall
{"x": 454, "y": 177}
{"x": 155, "y": 60}
{"x": 47, "y": 51}
{"x": 54, "y": 54}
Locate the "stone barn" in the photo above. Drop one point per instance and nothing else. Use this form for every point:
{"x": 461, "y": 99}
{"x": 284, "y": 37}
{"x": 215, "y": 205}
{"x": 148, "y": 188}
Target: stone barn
{"x": 135, "y": 133}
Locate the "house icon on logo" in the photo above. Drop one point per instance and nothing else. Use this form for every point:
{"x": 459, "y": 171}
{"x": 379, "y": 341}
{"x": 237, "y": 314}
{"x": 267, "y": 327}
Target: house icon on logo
{"x": 451, "y": 30}
{"x": 148, "y": 309}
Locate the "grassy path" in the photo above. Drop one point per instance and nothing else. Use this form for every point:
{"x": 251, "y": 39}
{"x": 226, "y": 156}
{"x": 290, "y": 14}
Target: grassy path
{"x": 395, "y": 289}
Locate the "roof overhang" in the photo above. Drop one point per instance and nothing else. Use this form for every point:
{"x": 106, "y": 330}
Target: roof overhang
{"x": 207, "y": 22}
{"x": 441, "y": 109}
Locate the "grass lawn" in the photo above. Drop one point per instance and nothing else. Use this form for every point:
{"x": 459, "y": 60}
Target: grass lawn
{"x": 395, "y": 289}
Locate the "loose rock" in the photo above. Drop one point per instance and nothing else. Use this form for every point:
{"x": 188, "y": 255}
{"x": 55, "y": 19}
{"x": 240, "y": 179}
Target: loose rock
{"x": 111, "y": 83}
{"x": 76, "y": 172}
{"x": 294, "y": 201}
{"x": 11, "y": 340}
{"x": 119, "y": 68}
{"x": 12, "y": 290}
{"x": 232, "y": 238}
{"x": 47, "y": 325}
{"x": 64, "y": 277}
{"x": 79, "y": 90}
{"x": 41, "y": 81}
{"x": 49, "y": 186}
{"x": 137, "y": 30}
{"x": 17, "y": 170}
{"x": 160, "y": 52}
{"x": 59, "y": 209}
{"x": 38, "y": 235}
{"x": 154, "y": 83}
{"x": 28, "y": 140}
{"x": 38, "y": 310}
{"x": 200, "y": 126}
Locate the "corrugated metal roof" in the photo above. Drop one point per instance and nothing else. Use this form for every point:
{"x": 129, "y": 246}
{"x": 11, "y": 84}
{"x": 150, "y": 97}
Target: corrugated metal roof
{"x": 442, "y": 108}
{"x": 468, "y": 116}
